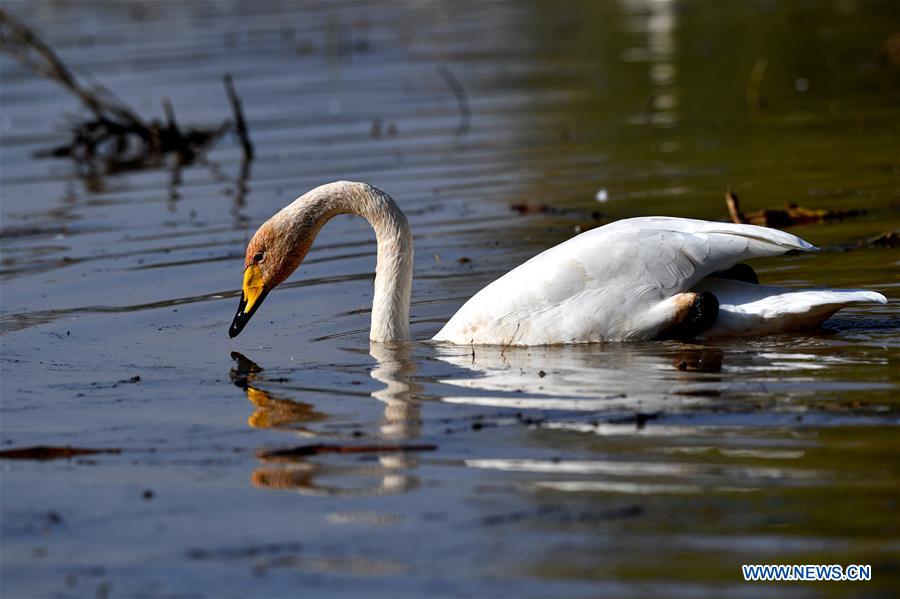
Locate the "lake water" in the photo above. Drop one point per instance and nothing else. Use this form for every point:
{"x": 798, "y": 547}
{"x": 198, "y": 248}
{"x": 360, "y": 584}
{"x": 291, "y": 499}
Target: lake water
{"x": 621, "y": 470}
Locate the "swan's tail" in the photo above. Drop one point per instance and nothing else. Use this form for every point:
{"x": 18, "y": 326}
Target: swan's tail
{"x": 748, "y": 309}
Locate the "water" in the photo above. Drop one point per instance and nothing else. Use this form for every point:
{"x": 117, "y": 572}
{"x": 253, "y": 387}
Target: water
{"x": 606, "y": 471}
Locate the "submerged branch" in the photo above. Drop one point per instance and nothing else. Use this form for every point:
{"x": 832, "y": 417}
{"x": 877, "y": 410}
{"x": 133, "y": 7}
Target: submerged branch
{"x": 239, "y": 123}
{"x": 22, "y": 44}
{"x": 116, "y": 138}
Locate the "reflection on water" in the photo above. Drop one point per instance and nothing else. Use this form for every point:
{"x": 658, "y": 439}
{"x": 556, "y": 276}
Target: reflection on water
{"x": 657, "y": 20}
{"x": 402, "y": 406}
{"x": 696, "y": 401}
{"x": 272, "y": 411}
{"x": 647, "y": 379}
{"x": 309, "y": 477}
{"x": 402, "y": 419}
{"x": 588, "y": 452}
{"x": 649, "y": 469}
{"x": 641, "y": 377}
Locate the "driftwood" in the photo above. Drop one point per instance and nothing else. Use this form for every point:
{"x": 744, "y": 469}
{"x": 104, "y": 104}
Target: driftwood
{"x": 322, "y": 448}
{"x": 42, "y": 453}
{"x": 115, "y": 138}
{"x": 890, "y": 239}
{"x": 791, "y": 215}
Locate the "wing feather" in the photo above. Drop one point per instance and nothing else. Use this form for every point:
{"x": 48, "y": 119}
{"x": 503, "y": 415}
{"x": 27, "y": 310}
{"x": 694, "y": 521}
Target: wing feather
{"x": 596, "y": 285}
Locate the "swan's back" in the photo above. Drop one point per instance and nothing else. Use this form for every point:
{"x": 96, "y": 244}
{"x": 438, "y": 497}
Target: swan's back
{"x": 610, "y": 283}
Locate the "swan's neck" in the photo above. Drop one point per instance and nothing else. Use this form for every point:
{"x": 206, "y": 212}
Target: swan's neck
{"x": 394, "y": 266}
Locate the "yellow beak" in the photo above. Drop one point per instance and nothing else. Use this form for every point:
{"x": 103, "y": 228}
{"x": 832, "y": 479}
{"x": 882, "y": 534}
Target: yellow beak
{"x": 252, "y": 294}
{"x": 253, "y": 286}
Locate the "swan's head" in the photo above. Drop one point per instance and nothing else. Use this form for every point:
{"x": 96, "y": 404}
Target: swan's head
{"x": 276, "y": 250}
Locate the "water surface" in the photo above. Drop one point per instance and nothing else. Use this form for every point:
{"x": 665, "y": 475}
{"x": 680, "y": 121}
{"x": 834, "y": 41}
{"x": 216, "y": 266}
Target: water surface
{"x": 643, "y": 469}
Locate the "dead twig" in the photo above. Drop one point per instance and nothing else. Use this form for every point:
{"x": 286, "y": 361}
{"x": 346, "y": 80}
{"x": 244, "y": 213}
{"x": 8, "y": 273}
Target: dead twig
{"x": 115, "y": 138}
{"x": 791, "y": 215}
{"x": 734, "y": 209}
{"x": 320, "y": 448}
{"x": 22, "y": 44}
{"x": 239, "y": 122}
{"x": 888, "y": 239}
{"x": 52, "y": 452}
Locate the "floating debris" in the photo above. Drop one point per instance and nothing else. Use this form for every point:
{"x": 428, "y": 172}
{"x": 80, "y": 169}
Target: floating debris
{"x": 524, "y": 208}
{"x": 532, "y": 208}
{"x": 699, "y": 360}
{"x": 888, "y": 239}
{"x": 639, "y": 419}
{"x": 243, "y": 552}
{"x": 320, "y": 448}
{"x": 557, "y": 514}
{"x": 44, "y": 453}
{"x": 791, "y": 215}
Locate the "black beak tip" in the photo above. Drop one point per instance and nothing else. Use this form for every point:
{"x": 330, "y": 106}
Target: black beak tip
{"x": 242, "y": 317}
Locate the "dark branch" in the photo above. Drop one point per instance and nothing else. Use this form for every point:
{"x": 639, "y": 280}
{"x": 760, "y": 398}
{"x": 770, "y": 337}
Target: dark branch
{"x": 239, "y": 122}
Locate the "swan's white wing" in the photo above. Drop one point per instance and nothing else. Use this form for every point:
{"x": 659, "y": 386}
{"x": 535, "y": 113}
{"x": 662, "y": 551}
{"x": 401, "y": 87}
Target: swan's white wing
{"x": 747, "y": 309}
{"x": 604, "y": 284}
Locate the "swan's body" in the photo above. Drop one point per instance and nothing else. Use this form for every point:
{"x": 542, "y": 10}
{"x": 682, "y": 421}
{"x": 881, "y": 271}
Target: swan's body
{"x": 630, "y": 280}
{"x": 625, "y": 281}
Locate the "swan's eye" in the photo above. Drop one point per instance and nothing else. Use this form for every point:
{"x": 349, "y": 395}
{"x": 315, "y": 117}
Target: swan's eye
{"x": 258, "y": 257}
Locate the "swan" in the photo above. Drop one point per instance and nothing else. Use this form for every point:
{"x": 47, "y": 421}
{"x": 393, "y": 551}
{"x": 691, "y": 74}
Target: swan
{"x": 634, "y": 279}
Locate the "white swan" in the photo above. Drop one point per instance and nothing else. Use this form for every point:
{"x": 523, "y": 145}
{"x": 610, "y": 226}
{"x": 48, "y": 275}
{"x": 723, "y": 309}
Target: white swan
{"x": 634, "y": 279}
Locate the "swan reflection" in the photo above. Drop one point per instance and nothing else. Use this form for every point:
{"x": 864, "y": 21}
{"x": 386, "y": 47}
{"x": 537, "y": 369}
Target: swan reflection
{"x": 583, "y": 378}
{"x": 675, "y": 401}
{"x": 317, "y": 474}
{"x": 402, "y": 410}
{"x": 683, "y": 395}
{"x": 271, "y": 411}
